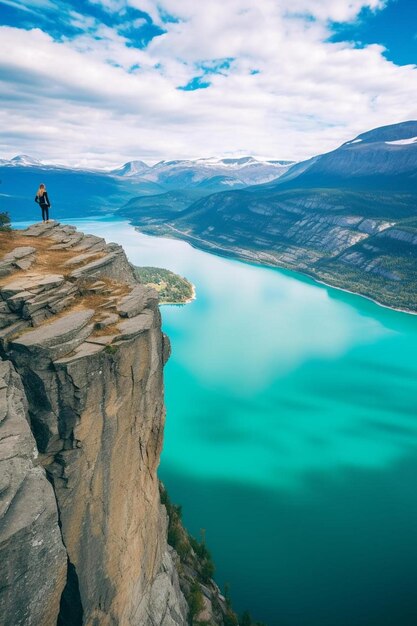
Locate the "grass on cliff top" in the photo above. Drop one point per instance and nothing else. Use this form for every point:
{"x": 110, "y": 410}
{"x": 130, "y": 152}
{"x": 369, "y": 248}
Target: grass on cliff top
{"x": 46, "y": 260}
{"x": 83, "y": 301}
{"x": 49, "y": 261}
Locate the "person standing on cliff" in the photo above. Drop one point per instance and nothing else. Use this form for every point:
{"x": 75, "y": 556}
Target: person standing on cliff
{"x": 42, "y": 199}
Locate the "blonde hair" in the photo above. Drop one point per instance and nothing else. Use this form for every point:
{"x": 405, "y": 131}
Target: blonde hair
{"x": 41, "y": 190}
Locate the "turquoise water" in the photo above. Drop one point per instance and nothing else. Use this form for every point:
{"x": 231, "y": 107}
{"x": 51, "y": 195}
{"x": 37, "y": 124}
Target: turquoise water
{"x": 291, "y": 438}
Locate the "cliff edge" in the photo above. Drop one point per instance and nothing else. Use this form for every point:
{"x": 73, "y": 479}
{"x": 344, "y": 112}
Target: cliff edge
{"x": 83, "y": 534}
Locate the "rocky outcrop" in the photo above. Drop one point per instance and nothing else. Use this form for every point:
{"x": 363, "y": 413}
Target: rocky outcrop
{"x": 84, "y": 341}
{"x": 21, "y": 258}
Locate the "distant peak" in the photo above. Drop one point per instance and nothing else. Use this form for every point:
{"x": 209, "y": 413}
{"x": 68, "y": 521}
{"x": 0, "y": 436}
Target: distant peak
{"x": 24, "y": 159}
{"x": 131, "y": 168}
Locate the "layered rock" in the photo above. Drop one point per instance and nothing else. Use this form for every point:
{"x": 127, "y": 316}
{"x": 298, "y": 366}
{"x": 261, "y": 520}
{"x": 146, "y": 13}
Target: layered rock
{"x": 86, "y": 341}
{"x": 364, "y": 242}
{"x": 20, "y": 258}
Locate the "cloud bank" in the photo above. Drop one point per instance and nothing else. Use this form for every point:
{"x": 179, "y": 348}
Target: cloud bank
{"x": 139, "y": 79}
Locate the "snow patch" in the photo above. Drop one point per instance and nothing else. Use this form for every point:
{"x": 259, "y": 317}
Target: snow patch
{"x": 402, "y": 142}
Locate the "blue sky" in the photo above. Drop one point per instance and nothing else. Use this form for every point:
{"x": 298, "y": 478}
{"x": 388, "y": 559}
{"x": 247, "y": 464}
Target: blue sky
{"x": 103, "y": 81}
{"x": 395, "y": 28}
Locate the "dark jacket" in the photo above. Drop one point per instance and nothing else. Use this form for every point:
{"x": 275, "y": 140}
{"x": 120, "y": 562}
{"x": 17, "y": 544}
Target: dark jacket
{"x": 43, "y": 200}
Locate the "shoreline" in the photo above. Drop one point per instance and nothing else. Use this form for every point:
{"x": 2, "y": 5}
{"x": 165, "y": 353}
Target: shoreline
{"x": 212, "y": 248}
{"x": 361, "y": 295}
{"x": 190, "y": 299}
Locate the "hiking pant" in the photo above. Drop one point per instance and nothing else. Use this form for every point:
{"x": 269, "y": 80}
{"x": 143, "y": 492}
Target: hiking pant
{"x": 45, "y": 212}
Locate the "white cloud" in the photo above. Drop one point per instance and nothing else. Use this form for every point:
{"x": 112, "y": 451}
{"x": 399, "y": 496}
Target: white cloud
{"x": 94, "y": 99}
{"x": 83, "y": 22}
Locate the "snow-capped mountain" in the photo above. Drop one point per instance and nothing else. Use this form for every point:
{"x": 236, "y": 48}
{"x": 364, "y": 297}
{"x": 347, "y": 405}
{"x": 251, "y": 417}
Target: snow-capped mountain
{"x": 23, "y": 160}
{"x": 132, "y": 168}
{"x": 26, "y": 161}
{"x": 211, "y": 171}
{"x": 384, "y": 156}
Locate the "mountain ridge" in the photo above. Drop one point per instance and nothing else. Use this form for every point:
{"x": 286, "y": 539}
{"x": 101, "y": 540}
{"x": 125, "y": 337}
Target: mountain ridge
{"x": 346, "y": 218}
{"x": 178, "y": 173}
{"x": 379, "y": 157}
{"x": 78, "y": 191}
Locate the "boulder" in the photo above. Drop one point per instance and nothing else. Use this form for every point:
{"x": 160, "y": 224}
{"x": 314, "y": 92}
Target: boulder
{"x": 19, "y": 258}
{"x": 136, "y": 301}
{"x": 135, "y": 325}
{"x": 19, "y": 253}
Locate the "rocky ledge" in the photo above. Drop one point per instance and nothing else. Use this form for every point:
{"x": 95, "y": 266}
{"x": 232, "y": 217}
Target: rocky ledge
{"x": 83, "y": 534}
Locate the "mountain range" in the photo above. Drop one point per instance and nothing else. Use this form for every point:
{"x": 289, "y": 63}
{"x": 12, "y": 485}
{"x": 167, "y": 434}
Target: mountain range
{"x": 76, "y": 191}
{"x": 347, "y": 218}
{"x": 204, "y": 173}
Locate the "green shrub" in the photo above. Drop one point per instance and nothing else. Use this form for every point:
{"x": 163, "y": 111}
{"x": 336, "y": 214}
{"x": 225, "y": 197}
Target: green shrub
{"x": 226, "y": 594}
{"x": 230, "y": 619}
{"x": 4, "y": 222}
{"x": 195, "y": 601}
{"x": 207, "y": 570}
{"x": 183, "y": 550}
{"x": 170, "y": 286}
{"x": 111, "y": 349}
{"x": 246, "y": 619}
{"x": 174, "y": 534}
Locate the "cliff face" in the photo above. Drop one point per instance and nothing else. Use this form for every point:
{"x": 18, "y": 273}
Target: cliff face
{"x": 82, "y": 340}
{"x": 33, "y": 561}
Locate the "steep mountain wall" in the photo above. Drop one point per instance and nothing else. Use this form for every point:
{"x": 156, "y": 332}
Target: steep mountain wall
{"x": 33, "y": 562}
{"x": 83, "y": 356}
{"x": 363, "y": 242}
